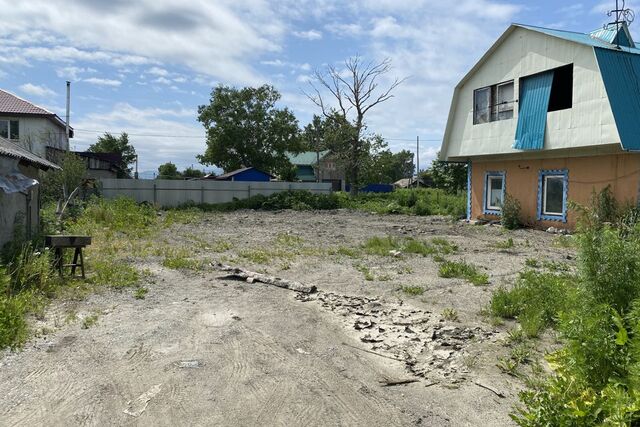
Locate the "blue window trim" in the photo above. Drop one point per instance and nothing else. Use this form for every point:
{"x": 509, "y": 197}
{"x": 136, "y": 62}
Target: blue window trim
{"x": 555, "y": 172}
{"x": 469, "y": 191}
{"x": 487, "y": 175}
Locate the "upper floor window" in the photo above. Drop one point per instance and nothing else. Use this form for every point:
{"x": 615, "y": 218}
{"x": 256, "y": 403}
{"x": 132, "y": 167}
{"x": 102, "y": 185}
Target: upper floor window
{"x": 493, "y": 103}
{"x": 561, "y": 96}
{"x": 9, "y": 129}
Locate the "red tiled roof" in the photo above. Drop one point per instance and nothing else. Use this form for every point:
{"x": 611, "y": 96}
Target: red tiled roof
{"x": 12, "y": 104}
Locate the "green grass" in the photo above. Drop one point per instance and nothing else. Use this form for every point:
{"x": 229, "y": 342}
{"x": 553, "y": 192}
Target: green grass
{"x": 382, "y": 246}
{"x": 450, "y": 314}
{"x": 368, "y": 275}
{"x": 413, "y": 290}
{"x": 462, "y": 270}
{"x": 140, "y": 293}
{"x": 89, "y": 321}
{"x": 504, "y": 245}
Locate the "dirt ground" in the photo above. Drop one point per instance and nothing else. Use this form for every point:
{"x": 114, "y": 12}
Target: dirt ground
{"x": 200, "y": 350}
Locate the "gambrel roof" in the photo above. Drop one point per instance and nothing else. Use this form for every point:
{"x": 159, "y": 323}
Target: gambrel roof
{"x": 618, "y": 61}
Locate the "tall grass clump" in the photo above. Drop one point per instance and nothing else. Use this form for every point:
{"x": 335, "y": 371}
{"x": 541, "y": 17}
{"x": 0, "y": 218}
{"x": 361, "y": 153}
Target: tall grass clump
{"x": 596, "y": 374}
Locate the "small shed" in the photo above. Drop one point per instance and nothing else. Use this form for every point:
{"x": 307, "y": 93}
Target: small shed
{"x": 246, "y": 174}
{"x": 19, "y": 192}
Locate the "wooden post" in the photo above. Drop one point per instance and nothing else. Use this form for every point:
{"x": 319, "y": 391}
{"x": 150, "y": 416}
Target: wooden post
{"x": 154, "y": 194}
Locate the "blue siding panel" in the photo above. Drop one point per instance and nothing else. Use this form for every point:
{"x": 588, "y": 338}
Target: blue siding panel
{"x": 252, "y": 175}
{"x": 532, "y": 116}
{"x": 621, "y": 75}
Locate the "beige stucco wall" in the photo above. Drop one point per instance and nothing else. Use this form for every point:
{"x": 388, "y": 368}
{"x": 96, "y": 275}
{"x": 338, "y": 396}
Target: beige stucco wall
{"x": 38, "y": 133}
{"x": 586, "y": 174}
{"x": 524, "y": 52}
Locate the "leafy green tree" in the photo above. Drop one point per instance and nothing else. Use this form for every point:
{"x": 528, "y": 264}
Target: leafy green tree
{"x": 451, "y": 177}
{"x": 168, "y": 171}
{"x": 59, "y": 184}
{"x": 109, "y": 143}
{"x": 387, "y": 167}
{"x": 192, "y": 173}
{"x": 245, "y": 128}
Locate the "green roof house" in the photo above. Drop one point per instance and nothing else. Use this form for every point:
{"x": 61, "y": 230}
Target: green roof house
{"x": 312, "y": 166}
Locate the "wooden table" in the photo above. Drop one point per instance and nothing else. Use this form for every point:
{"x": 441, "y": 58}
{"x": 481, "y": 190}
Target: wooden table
{"x": 61, "y": 242}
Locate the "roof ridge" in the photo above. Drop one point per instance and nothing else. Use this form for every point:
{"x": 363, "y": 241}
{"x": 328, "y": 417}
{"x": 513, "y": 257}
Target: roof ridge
{"x": 28, "y": 102}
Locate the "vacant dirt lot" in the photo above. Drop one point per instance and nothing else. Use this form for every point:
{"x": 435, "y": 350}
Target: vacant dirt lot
{"x": 200, "y": 350}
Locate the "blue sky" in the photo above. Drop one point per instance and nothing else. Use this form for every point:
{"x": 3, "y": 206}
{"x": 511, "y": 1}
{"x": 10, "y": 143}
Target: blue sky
{"x": 144, "y": 66}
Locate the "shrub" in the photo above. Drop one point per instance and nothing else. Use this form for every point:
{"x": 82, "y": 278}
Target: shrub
{"x": 596, "y": 378}
{"x": 510, "y": 212}
{"x": 536, "y": 300}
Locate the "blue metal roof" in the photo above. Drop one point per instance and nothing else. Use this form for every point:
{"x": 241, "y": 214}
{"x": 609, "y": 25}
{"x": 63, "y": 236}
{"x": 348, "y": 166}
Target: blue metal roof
{"x": 582, "y": 38}
{"x": 621, "y": 75}
{"x": 609, "y": 32}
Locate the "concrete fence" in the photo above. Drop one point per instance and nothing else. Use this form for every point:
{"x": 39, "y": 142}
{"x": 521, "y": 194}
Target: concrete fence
{"x": 168, "y": 193}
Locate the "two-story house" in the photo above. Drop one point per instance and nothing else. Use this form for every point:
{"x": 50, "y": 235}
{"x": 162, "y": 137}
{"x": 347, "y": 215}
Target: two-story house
{"x": 31, "y": 126}
{"x": 548, "y": 116}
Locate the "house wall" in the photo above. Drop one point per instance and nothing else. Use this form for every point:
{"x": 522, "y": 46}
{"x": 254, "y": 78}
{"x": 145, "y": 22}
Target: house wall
{"x": 524, "y": 52}
{"x": 36, "y": 133}
{"x": 585, "y": 174}
{"x": 13, "y": 207}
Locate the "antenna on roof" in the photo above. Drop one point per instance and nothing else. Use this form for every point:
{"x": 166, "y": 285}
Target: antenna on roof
{"x": 623, "y": 15}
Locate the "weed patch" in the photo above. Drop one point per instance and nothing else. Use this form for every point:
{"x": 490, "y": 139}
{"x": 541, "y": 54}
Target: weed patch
{"x": 462, "y": 270}
{"x": 413, "y": 290}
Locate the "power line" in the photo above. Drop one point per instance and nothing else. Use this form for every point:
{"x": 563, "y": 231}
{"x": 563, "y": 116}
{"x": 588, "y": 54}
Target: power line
{"x": 204, "y": 136}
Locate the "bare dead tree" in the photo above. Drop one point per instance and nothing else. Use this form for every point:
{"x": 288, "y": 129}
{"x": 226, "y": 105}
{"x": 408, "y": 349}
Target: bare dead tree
{"x": 356, "y": 91}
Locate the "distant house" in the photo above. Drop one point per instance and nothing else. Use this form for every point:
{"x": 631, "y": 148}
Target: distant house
{"x": 548, "y": 116}
{"x": 323, "y": 166}
{"x": 409, "y": 182}
{"x": 245, "y": 174}
{"x": 31, "y": 126}
{"x": 101, "y": 165}
{"x": 19, "y": 192}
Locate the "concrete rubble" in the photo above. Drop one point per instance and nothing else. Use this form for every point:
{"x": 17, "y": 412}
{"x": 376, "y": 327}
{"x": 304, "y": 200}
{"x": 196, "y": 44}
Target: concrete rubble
{"x": 429, "y": 347}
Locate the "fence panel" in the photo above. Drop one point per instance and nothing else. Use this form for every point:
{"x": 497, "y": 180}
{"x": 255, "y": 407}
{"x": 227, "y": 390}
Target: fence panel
{"x": 170, "y": 193}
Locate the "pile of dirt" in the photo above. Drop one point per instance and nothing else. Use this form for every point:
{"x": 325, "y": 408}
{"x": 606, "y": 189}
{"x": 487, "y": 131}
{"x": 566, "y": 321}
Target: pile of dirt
{"x": 429, "y": 347}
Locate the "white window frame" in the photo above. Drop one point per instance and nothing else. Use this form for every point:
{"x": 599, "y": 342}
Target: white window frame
{"x": 488, "y": 208}
{"x": 494, "y": 109}
{"x": 505, "y": 106}
{"x": 9, "y": 128}
{"x": 544, "y": 194}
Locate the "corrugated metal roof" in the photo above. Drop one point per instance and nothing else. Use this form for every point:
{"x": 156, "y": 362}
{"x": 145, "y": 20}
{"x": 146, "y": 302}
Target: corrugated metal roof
{"x": 237, "y": 171}
{"x": 621, "y": 75}
{"x": 608, "y": 33}
{"x": 306, "y": 158}
{"x": 10, "y": 149}
{"x": 586, "y": 39}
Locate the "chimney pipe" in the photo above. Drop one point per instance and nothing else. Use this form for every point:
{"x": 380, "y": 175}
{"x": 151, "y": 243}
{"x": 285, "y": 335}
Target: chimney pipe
{"x": 68, "y": 112}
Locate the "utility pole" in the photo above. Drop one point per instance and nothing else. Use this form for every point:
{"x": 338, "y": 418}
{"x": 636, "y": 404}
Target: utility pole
{"x": 68, "y": 112}
{"x": 417, "y": 161}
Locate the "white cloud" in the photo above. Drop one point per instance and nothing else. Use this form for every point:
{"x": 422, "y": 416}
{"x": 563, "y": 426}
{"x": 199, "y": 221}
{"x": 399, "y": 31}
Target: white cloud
{"x": 184, "y": 139}
{"x": 213, "y": 38}
{"x": 102, "y": 82}
{"x": 35, "y": 90}
{"x": 162, "y": 80}
{"x": 157, "y": 71}
{"x": 308, "y": 35}
{"x": 73, "y": 73}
